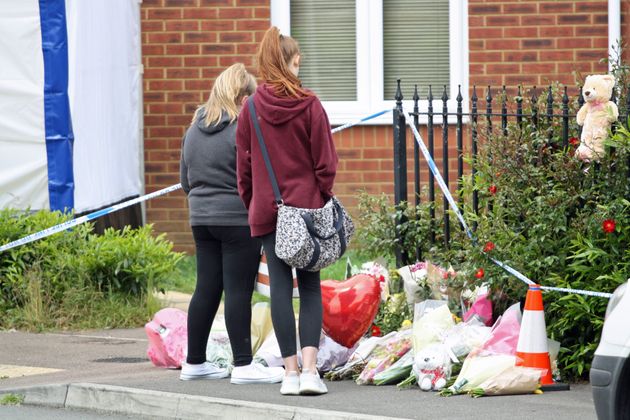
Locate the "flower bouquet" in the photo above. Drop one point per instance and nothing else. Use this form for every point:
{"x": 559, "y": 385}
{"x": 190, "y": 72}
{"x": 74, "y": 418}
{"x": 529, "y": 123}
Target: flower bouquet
{"x": 385, "y": 355}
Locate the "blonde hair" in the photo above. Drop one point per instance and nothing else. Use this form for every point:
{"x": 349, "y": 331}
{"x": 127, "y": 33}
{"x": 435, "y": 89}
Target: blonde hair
{"x": 274, "y": 54}
{"x": 229, "y": 88}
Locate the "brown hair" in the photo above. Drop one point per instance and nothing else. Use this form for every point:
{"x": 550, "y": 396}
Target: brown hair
{"x": 233, "y": 84}
{"x": 274, "y": 54}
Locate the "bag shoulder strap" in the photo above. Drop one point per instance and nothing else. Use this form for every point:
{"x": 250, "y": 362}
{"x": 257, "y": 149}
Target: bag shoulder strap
{"x": 263, "y": 149}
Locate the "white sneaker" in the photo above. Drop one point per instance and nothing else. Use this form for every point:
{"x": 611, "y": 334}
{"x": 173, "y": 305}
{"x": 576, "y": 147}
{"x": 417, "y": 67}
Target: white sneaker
{"x": 205, "y": 370}
{"x": 312, "y": 384}
{"x": 255, "y": 373}
{"x": 290, "y": 384}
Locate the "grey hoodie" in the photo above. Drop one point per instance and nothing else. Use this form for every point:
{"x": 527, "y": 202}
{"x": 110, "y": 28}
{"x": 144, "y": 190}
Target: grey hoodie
{"x": 208, "y": 174}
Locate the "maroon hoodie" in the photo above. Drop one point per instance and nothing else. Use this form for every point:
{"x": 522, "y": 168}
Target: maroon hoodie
{"x": 300, "y": 145}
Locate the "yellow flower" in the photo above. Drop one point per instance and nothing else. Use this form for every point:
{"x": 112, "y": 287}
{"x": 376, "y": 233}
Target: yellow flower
{"x": 406, "y": 323}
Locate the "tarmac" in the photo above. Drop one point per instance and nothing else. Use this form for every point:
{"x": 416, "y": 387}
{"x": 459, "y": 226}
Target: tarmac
{"x": 108, "y": 371}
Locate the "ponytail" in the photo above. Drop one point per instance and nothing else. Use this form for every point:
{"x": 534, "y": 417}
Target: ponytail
{"x": 274, "y": 54}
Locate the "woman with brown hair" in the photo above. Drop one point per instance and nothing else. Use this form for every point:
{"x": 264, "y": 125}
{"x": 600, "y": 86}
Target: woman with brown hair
{"x": 297, "y": 135}
{"x": 227, "y": 255}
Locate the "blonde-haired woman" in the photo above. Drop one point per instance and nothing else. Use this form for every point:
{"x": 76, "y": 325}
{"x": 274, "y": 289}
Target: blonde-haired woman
{"x": 227, "y": 255}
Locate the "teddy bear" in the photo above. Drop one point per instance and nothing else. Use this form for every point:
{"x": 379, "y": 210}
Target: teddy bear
{"x": 596, "y": 116}
{"x": 432, "y": 367}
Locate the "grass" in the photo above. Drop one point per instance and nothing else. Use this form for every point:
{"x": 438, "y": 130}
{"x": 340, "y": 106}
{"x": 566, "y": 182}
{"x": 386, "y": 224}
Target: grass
{"x": 12, "y": 399}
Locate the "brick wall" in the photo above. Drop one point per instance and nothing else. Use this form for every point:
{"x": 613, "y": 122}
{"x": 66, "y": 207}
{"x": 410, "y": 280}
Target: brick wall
{"x": 536, "y": 42}
{"x": 186, "y": 43}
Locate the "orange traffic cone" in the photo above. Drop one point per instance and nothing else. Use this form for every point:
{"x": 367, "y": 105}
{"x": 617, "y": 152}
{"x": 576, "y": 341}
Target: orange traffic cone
{"x": 532, "y": 349}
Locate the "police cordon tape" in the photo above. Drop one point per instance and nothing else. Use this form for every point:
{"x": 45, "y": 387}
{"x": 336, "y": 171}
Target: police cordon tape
{"x": 455, "y": 208}
{"x": 99, "y": 213}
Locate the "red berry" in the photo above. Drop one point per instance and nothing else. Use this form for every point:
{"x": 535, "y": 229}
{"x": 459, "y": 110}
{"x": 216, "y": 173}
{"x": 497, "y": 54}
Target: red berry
{"x": 480, "y": 273}
{"x": 488, "y": 247}
{"x": 492, "y": 189}
{"x": 608, "y": 226}
{"x": 574, "y": 141}
{"x": 376, "y": 331}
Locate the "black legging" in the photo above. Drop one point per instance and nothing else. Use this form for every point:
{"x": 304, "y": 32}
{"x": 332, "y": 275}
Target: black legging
{"x": 281, "y": 284}
{"x": 227, "y": 259}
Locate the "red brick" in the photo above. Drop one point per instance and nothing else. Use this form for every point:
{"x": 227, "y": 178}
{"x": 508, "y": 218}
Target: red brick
{"x": 486, "y": 33}
{"x": 154, "y": 120}
{"x": 502, "y": 68}
{"x": 179, "y": 120}
{"x": 200, "y": 37}
{"x": 153, "y": 97}
{"x": 476, "y": 44}
{"x": 182, "y": 25}
{"x": 476, "y": 21}
{"x": 574, "y": 43}
{"x": 216, "y": 2}
{"x": 233, "y": 37}
{"x": 235, "y": 13}
{"x": 164, "y": 37}
{"x": 601, "y": 43}
{"x": 262, "y": 13}
{"x": 218, "y": 25}
{"x": 152, "y": 26}
{"x": 190, "y": 97}
{"x": 591, "y": 30}
{"x": 556, "y": 7}
{"x": 532, "y": 68}
{"x": 182, "y": 49}
{"x": 150, "y": 73}
{"x": 152, "y": 50}
{"x": 181, "y": 3}
{"x": 226, "y": 61}
{"x": 585, "y": 67}
{"x": 519, "y": 56}
{"x": 252, "y": 2}
{"x": 484, "y": 57}
{"x": 163, "y": 14}
{"x": 201, "y": 61}
{"x": 590, "y": 55}
{"x": 574, "y": 19}
{"x": 537, "y": 43}
{"x": 502, "y": 20}
{"x": 165, "y": 61}
{"x": 152, "y": 3}
{"x": 183, "y": 73}
{"x": 161, "y": 85}
{"x": 556, "y": 31}
{"x": 601, "y": 7}
{"x": 600, "y": 19}
{"x": 520, "y": 32}
{"x": 217, "y": 49}
{"x": 246, "y": 48}
{"x": 165, "y": 131}
{"x": 520, "y": 80}
{"x": 538, "y": 20}
{"x": 252, "y": 25}
{"x": 520, "y": 8}
{"x": 484, "y": 9}
{"x": 155, "y": 145}
{"x": 503, "y": 44}
{"x": 165, "y": 108}
{"x": 200, "y": 13}
{"x": 154, "y": 167}
{"x": 555, "y": 55}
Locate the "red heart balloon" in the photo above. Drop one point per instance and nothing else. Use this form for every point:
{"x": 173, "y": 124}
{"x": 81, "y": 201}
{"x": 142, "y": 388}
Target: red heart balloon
{"x": 349, "y": 307}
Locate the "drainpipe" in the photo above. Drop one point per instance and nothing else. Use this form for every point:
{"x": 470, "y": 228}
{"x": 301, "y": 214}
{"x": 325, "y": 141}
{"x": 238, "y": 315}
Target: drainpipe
{"x": 614, "y": 27}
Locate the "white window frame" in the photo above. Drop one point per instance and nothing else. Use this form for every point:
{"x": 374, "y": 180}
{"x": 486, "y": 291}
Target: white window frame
{"x": 369, "y": 35}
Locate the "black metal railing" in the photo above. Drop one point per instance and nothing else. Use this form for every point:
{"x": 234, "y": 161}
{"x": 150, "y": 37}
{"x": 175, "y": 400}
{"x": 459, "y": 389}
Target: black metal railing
{"x": 520, "y": 115}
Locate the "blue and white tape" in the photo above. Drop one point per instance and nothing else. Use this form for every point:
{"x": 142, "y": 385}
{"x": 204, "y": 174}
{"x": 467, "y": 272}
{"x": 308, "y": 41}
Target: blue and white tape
{"x": 453, "y": 205}
{"x": 80, "y": 220}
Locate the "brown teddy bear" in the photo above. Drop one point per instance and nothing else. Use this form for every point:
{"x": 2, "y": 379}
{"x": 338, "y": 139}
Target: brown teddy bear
{"x": 596, "y": 116}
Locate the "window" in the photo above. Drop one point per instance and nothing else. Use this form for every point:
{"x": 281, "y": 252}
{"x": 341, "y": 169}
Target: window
{"x": 354, "y": 50}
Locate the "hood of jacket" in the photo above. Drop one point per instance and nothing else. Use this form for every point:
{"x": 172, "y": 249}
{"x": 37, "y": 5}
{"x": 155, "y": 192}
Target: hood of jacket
{"x": 212, "y": 128}
{"x": 278, "y": 110}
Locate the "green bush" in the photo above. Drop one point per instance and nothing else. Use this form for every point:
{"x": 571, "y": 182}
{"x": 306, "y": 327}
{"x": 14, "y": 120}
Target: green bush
{"x": 79, "y": 279}
{"x": 543, "y": 211}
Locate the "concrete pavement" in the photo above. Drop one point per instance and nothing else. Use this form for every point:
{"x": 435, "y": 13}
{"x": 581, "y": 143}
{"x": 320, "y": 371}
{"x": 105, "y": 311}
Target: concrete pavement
{"x": 109, "y": 370}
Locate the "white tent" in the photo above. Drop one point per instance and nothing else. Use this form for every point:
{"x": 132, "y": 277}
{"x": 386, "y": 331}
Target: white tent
{"x": 70, "y": 103}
